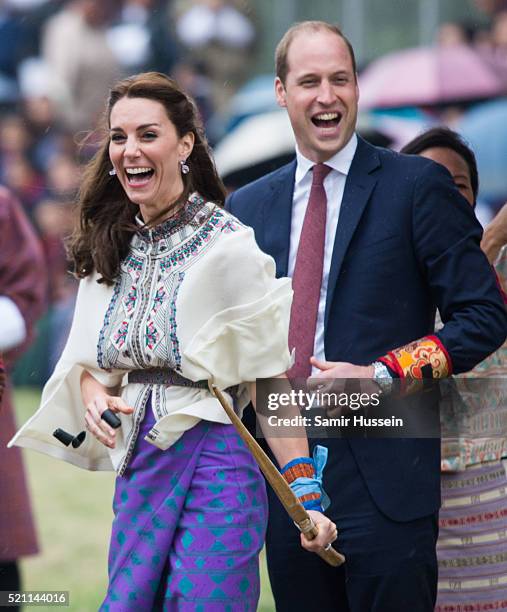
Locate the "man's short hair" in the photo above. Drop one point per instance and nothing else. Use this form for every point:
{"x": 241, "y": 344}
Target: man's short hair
{"x": 282, "y": 49}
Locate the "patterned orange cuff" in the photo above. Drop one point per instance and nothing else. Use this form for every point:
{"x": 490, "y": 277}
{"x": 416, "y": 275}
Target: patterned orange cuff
{"x": 310, "y": 497}
{"x": 299, "y": 468}
{"x": 411, "y": 360}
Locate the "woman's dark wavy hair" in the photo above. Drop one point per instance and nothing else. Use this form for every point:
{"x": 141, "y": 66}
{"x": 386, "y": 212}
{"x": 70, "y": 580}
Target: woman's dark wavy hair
{"x": 106, "y": 216}
{"x": 446, "y": 138}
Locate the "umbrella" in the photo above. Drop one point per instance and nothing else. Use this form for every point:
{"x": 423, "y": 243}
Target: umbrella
{"x": 257, "y": 140}
{"x": 485, "y": 128}
{"x": 256, "y": 96}
{"x": 399, "y": 125}
{"x": 428, "y": 76}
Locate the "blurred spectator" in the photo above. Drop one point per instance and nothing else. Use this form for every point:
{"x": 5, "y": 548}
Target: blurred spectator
{"x": 499, "y": 32}
{"x": 81, "y": 63}
{"x": 452, "y": 34}
{"x": 192, "y": 77}
{"x": 22, "y": 291}
{"x": 48, "y": 139}
{"x": 491, "y": 7}
{"x": 219, "y": 35}
{"x": 14, "y": 137}
{"x": 16, "y": 169}
{"x": 494, "y": 49}
{"x": 2, "y": 379}
{"x": 54, "y": 217}
{"x": 20, "y": 176}
{"x": 11, "y": 40}
{"x": 140, "y": 37}
{"x": 34, "y": 20}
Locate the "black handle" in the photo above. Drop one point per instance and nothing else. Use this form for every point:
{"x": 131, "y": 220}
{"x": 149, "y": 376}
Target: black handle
{"x": 111, "y": 419}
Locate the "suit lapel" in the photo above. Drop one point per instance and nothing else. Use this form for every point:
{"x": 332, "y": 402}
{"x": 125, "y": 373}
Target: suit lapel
{"x": 358, "y": 188}
{"x": 277, "y": 218}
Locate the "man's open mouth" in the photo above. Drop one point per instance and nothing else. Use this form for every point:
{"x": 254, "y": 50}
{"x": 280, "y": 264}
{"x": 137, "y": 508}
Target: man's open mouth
{"x": 327, "y": 120}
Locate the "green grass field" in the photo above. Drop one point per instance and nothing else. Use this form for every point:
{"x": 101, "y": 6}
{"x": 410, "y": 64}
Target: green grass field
{"x": 72, "y": 509}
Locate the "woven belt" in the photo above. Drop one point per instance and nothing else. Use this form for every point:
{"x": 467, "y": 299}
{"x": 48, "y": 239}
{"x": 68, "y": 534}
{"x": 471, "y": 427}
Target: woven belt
{"x": 162, "y": 376}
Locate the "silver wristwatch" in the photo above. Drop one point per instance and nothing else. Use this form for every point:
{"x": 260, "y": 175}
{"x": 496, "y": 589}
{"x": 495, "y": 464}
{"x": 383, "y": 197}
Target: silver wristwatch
{"x": 382, "y": 377}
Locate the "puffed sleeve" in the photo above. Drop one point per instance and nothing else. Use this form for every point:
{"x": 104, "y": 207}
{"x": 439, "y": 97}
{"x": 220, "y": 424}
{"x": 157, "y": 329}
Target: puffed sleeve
{"x": 244, "y": 334}
{"x": 61, "y": 403}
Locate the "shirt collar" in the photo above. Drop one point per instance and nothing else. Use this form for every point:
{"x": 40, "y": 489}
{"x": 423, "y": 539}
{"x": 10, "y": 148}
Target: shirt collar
{"x": 340, "y": 161}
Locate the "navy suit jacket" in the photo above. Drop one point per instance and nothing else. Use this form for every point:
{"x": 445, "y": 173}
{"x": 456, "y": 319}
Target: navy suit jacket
{"x": 406, "y": 243}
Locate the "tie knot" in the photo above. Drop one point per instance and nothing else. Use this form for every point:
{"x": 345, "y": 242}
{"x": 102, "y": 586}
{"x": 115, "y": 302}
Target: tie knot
{"x": 320, "y": 171}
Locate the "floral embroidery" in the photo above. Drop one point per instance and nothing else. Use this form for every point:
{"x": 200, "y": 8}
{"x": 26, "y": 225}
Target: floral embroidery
{"x": 129, "y": 301}
{"x": 120, "y": 336}
{"x": 133, "y": 263}
{"x": 229, "y": 226}
{"x": 152, "y": 335}
{"x": 192, "y": 247}
{"x": 159, "y": 298}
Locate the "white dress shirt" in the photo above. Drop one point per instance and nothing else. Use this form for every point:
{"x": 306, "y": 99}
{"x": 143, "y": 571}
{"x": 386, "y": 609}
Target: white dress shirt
{"x": 334, "y": 184}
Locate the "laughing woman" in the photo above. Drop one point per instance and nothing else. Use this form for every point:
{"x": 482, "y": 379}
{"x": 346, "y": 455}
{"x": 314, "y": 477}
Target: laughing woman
{"x": 174, "y": 293}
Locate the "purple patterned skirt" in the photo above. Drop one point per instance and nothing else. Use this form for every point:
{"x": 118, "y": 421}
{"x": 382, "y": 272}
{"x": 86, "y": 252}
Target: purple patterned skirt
{"x": 189, "y": 525}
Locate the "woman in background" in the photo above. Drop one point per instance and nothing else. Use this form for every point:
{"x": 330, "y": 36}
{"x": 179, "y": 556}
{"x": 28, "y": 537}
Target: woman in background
{"x": 472, "y": 543}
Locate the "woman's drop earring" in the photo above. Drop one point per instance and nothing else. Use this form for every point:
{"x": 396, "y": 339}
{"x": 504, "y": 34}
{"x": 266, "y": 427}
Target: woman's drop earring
{"x": 184, "y": 168}
{"x": 112, "y": 172}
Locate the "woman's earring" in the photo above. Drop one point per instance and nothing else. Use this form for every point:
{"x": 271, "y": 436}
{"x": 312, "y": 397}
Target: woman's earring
{"x": 112, "y": 172}
{"x": 184, "y": 168}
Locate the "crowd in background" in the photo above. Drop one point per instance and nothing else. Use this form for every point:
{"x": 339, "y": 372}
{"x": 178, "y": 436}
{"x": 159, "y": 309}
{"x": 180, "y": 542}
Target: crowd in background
{"x": 57, "y": 60}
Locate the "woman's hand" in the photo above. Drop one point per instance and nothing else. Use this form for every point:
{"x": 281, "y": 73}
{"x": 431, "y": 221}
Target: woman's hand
{"x": 327, "y": 534}
{"x": 97, "y": 398}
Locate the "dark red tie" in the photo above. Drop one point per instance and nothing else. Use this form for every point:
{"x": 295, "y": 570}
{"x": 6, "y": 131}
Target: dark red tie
{"x": 307, "y": 277}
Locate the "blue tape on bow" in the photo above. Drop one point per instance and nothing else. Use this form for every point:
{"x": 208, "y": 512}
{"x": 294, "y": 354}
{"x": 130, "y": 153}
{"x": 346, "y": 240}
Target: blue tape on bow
{"x": 304, "y": 486}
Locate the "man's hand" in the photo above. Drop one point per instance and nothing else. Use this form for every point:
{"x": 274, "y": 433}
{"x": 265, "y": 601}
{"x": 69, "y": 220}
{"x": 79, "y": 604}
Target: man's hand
{"x": 336, "y": 377}
{"x": 341, "y": 369}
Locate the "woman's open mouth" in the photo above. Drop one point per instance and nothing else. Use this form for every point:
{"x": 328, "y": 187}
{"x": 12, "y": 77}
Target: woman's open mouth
{"x": 137, "y": 177}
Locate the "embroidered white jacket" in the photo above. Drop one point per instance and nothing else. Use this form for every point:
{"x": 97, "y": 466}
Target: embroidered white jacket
{"x": 194, "y": 294}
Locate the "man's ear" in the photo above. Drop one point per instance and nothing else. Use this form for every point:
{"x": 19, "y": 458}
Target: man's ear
{"x": 280, "y": 93}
